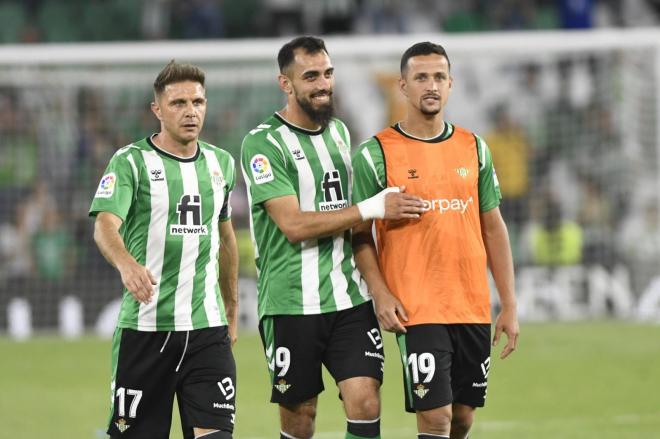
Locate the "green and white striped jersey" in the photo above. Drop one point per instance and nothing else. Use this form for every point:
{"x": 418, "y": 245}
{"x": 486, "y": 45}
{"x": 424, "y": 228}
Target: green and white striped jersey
{"x": 317, "y": 275}
{"x": 171, "y": 209}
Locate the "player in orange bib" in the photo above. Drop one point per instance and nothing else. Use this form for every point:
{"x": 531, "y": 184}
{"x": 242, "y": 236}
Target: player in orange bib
{"x": 428, "y": 276}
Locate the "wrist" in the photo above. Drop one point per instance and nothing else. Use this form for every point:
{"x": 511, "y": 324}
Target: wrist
{"x": 374, "y": 207}
{"x": 508, "y": 306}
{"x": 124, "y": 263}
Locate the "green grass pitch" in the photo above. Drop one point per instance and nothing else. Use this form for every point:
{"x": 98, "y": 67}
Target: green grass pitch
{"x": 571, "y": 380}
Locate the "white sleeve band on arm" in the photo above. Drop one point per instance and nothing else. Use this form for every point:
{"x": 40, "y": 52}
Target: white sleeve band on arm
{"x": 374, "y": 207}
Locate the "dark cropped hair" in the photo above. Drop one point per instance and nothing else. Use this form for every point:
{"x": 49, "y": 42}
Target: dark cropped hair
{"x": 420, "y": 49}
{"x": 310, "y": 45}
{"x": 174, "y": 72}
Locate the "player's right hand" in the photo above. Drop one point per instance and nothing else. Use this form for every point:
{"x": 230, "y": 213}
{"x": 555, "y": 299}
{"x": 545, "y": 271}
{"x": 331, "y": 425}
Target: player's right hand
{"x": 390, "y": 312}
{"x": 399, "y": 205}
{"x": 138, "y": 280}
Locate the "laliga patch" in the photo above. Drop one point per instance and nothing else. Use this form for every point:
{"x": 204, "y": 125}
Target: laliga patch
{"x": 107, "y": 186}
{"x": 261, "y": 169}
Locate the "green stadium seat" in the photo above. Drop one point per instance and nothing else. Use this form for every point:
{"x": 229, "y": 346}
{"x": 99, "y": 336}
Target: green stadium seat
{"x": 60, "y": 21}
{"x": 12, "y": 22}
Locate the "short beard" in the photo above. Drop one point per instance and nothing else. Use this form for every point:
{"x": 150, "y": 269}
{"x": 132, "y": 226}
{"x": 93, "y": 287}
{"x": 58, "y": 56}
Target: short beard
{"x": 321, "y": 115}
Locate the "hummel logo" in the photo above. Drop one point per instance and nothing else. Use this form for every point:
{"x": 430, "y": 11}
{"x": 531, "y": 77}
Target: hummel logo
{"x": 485, "y": 367}
{"x": 269, "y": 358}
{"x": 412, "y": 173}
{"x": 298, "y": 154}
{"x": 156, "y": 175}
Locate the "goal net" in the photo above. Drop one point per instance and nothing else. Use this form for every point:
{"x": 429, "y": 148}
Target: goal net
{"x": 572, "y": 120}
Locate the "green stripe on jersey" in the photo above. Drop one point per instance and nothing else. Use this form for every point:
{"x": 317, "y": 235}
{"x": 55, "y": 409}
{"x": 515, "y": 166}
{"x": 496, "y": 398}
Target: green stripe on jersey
{"x": 171, "y": 209}
{"x": 317, "y": 275}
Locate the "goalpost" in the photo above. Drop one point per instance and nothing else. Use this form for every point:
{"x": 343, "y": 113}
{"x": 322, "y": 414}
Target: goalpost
{"x": 572, "y": 118}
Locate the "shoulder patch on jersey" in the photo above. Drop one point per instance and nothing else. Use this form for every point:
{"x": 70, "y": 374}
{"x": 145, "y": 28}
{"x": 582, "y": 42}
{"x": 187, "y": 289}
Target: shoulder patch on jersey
{"x": 262, "y": 172}
{"x": 107, "y": 186}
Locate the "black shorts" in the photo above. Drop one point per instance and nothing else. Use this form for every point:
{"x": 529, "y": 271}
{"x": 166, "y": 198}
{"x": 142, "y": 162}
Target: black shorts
{"x": 149, "y": 368}
{"x": 445, "y": 364}
{"x": 347, "y": 342}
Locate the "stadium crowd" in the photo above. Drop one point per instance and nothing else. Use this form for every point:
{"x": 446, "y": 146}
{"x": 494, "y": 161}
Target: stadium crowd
{"x": 31, "y": 21}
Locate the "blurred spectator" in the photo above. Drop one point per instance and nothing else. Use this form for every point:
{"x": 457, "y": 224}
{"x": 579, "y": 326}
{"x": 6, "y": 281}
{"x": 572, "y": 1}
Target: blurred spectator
{"x": 52, "y": 248}
{"x": 15, "y": 255}
{"x": 329, "y": 17}
{"x": 36, "y": 207}
{"x": 576, "y": 14}
{"x": 200, "y": 19}
{"x": 639, "y": 242}
{"x": 595, "y": 217}
{"x": 18, "y": 147}
{"x": 532, "y": 98}
{"x": 550, "y": 239}
{"x": 156, "y": 16}
{"x": 511, "y": 151}
{"x": 384, "y": 16}
{"x": 513, "y": 14}
{"x": 284, "y": 17}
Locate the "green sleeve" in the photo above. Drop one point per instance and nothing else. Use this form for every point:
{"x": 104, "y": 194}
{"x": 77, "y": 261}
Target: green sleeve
{"x": 368, "y": 170}
{"x": 264, "y": 166}
{"x": 117, "y": 187}
{"x": 489, "y": 187}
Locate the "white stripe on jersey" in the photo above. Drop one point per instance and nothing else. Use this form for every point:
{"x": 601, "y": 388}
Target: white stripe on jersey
{"x": 211, "y": 298}
{"x": 481, "y": 147}
{"x": 160, "y": 206}
{"x": 248, "y": 185}
{"x": 136, "y": 180}
{"x": 337, "y": 278}
{"x": 309, "y": 251}
{"x": 189, "y": 253}
{"x": 345, "y": 156}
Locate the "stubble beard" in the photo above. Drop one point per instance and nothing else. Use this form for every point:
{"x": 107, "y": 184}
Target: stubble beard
{"x": 426, "y": 111}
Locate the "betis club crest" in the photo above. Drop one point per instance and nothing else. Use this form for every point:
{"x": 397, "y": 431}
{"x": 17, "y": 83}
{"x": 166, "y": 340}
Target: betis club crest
{"x": 122, "y": 426}
{"x": 282, "y": 386}
{"x": 421, "y": 391}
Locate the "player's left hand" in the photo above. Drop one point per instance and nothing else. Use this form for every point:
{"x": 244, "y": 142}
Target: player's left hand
{"x": 507, "y": 322}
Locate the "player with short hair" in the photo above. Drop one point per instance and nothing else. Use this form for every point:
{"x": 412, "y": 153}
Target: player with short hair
{"x": 429, "y": 275}
{"x": 163, "y": 219}
{"x": 314, "y": 308}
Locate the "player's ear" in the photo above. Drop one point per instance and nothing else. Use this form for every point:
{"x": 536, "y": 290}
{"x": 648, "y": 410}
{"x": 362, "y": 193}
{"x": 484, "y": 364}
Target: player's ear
{"x": 285, "y": 84}
{"x": 155, "y": 109}
{"x": 403, "y": 86}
